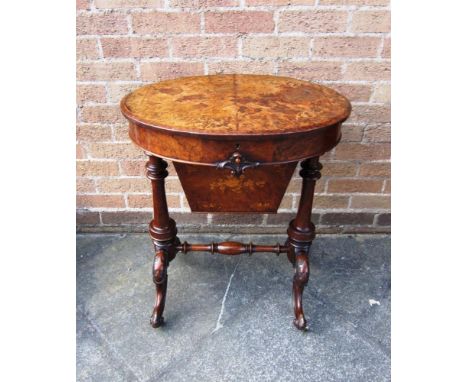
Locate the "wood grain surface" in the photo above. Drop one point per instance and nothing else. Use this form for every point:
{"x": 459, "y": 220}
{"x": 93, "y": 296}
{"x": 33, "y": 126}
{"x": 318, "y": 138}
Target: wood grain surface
{"x": 236, "y": 104}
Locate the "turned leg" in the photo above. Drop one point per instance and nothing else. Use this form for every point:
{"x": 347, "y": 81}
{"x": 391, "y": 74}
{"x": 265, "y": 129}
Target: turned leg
{"x": 301, "y": 232}
{"x": 163, "y": 232}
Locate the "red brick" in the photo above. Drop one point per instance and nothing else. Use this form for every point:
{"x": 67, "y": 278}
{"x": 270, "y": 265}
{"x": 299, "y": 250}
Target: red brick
{"x": 370, "y": 201}
{"x": 313, "y": 21}
{"x": 82, "y": 4}
{"x": 157, "y": 71}
{"x": 275, "y": 47}
{"x": 375, "y": 170}
{"x": 372, "y": 71}
{"x": 140, "y": 200}
{"x": 286, "y": 202}
{"x": 133, "y": 167}
{"x": 115, "y": 151}
{"x": 93, "y": 133}
{"x": 311, "y": 71}
{"x": 356, "y": 151}
{"x": 377, "y": 133}
{"x": 355, "y": 2}
{"x": 371, "y": 21}
{"x": 351, "y": 133}
{"x": 339, "y": 169}
{"x": 90, "y": 93}
{"x": 80, "y": 152}
{"x": 295, "y": 186}
{"x": 239, "y": 22}
{"x": 382, "y": 93}
{"x": 109, "y": 201}
{"x": 354, "y": 92}
{"x": 193, "y": 219}
{"x": 101, "y": 23}
{"x": 320, "y": 185}
{"x": 126, "y": 217}
{"x": 283, "y": 218}
{"x": 134, "y": 47}
{"x": 279, "y": 2}
{"x": 347, "y": 218}
{"x": 97, "y": 168}
{"x": 116, "y": 91}
{"x": 246, "y": 67}
{"x": 85, "y": 185}
{"x": 173, "y": 185}
{"x": 346, "y": 46}
{"x": 202, "y": 47}
{"x": 121, "y": 133}
{"x": 237, "y": 218}
{"x": 173, "y": 202}
{"x": 328, "y": 155}
{"x": 111, "y": 185}
{"x": 165, "y": 22}
{"x": 197, "y": 4}
{"x": 114, "y": 4}
{"x": 146, "y": 201}
{"x": 105, "y": 71}
{"x": 101, "y": 114}
{"x": 388, "y": 187}
{"x": 384, "y": 219}
{"x": 387, "y": 48}
{"x": 84, "y": 217}
{"x": 330, "y": 201}
{"x": 87, "y": 49}
{"x": 370, "y": 113}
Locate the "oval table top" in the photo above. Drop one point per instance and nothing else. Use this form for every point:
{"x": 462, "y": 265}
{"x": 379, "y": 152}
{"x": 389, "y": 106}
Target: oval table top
{"x": 236, "y": 104}
{"x": 207, "y": 119}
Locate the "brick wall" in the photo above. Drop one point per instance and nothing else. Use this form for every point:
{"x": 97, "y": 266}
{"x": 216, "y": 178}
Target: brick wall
{"x": 122, "y": 45}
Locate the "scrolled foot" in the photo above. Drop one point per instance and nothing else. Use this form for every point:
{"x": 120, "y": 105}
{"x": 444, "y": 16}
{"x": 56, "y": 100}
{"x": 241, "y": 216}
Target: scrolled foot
{"x": 160, "y": 279}
{"x": 300, "y": 323}
{"x": 156, "y": 321}
{"x": 301, "y": 277}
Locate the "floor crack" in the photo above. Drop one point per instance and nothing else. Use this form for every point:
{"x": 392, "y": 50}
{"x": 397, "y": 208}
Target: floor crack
{"x": 219, "y": 325}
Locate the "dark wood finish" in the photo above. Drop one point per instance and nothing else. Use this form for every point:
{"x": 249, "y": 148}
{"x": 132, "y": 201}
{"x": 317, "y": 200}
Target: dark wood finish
{"x": 237, "y": 164}
{"x": 160, "y": 265}
{"x": 211, "y": 189}
{"x": 231, "y": 248}
{"x": 235, "y": 141}
{"x": 210, "y": 150}
{"x": 163, "y": 232}
{"x": 301, "y": 232}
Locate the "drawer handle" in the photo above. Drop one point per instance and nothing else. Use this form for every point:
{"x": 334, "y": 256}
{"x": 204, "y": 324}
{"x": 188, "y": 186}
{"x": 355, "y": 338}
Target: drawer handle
{"x": 237, "y": 164}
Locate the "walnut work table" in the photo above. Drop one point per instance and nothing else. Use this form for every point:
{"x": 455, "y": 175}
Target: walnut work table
{"x": 235, "y": 141}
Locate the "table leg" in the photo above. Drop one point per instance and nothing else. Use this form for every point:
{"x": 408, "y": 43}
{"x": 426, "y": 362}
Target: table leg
{"x": 163, "y": 232}
{"x": 301, "y": 232}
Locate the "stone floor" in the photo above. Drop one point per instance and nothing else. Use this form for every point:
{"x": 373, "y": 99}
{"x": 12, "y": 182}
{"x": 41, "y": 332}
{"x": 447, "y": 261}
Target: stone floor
{"x": 229, "y": 318}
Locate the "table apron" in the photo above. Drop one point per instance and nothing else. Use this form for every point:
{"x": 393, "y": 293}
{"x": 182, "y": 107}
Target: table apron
{"x": 211, "y": 150}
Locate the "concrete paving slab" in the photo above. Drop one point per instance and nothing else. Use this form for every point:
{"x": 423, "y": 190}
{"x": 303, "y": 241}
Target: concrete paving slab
{"x": 229, "y": 318}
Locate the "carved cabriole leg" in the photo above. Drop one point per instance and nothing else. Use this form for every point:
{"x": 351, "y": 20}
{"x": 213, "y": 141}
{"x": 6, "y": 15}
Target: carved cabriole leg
{"x": 160, "y": 279}
{"x": 163, "y": 232}
{"x": 301, "y": 277}
{"x": 301, "y": 232}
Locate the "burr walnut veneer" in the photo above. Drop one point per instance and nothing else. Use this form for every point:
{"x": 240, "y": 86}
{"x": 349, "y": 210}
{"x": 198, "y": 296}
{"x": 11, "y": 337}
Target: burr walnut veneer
{"x": 235, "y": 141}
